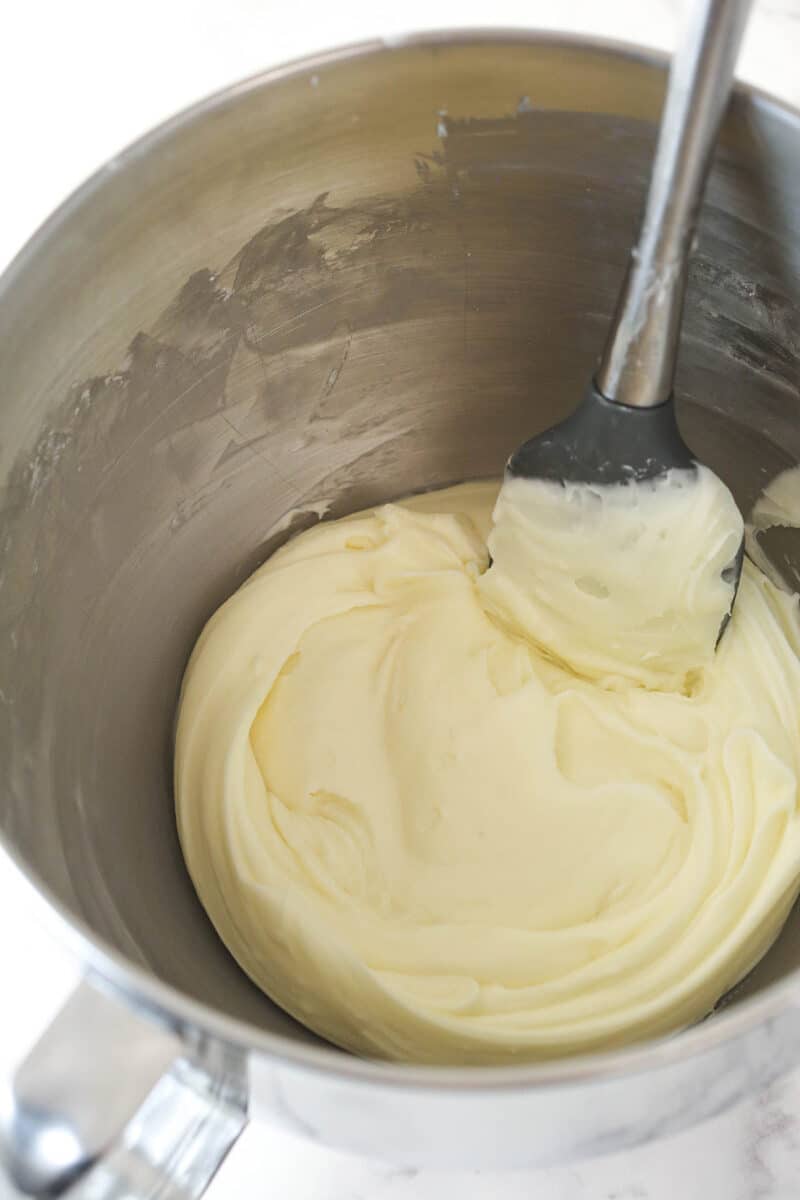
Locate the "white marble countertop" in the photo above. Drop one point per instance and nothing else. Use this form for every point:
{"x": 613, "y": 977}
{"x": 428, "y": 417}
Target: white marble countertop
{"x": 71, "y": 98}
{"x": 750, "y": 1153}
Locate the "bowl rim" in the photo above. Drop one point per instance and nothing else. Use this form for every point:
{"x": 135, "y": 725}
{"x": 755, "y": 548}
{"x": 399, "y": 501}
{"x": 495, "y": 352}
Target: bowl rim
{"x": 165, "y": 1004}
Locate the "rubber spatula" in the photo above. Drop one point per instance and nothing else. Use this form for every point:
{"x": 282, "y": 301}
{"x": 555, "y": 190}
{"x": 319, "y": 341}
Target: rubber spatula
{"x": 625, "y": 428}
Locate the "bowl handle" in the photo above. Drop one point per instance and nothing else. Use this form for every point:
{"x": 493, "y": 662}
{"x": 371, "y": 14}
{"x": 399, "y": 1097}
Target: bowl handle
{"x": 109, "y": 1104}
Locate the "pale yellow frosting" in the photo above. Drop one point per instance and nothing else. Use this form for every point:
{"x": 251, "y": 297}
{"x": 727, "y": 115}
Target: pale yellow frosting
{"x": 435, "y": 828}
{"x": 619, "y": 582}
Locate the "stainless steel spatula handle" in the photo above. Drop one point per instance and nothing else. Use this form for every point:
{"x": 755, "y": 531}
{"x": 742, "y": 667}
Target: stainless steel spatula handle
{"x": 638, "y": 363}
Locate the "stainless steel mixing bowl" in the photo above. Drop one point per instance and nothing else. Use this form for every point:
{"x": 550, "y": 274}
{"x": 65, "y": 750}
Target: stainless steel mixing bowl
{"x": 325, "y": 287}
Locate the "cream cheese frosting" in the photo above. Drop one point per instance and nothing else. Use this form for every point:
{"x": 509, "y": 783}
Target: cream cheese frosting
{"x": 441, "y": 816}
{"x": 621, "y": 581}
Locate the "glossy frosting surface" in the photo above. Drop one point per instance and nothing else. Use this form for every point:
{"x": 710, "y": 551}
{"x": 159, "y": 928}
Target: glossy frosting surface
{"x": 435, "y": 825}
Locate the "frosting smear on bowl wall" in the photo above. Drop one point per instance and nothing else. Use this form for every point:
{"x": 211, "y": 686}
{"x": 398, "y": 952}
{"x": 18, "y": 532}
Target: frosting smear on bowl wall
{"x": 436, "y": 821}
